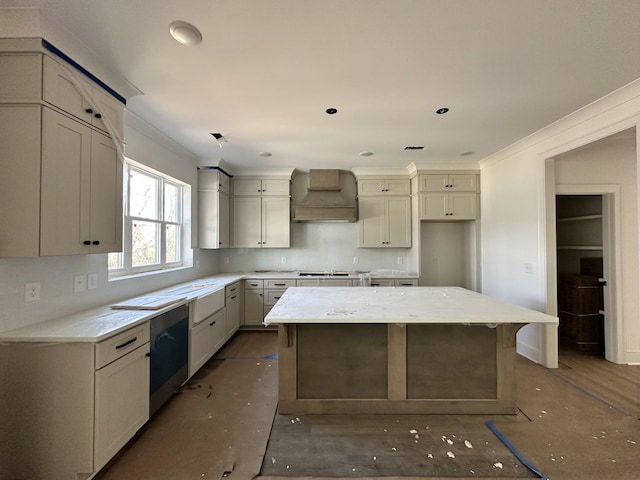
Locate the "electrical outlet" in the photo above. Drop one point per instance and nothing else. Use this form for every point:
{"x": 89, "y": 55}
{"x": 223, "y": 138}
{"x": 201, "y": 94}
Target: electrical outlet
{"x": 92, "y": 281}
{"x": 225, "y": 259}
{"x": 197, "y": 264}
{"x": 356, "y": 259}
{"x": 283, "y": 260}
{"x": 32, "y": 292}
{"x": 79, "y": 283}
{"x": 528, "y": 268}
{"x": 400, "y": 260}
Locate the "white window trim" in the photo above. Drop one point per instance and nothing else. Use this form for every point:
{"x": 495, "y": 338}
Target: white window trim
{"x": 185, "y": 252}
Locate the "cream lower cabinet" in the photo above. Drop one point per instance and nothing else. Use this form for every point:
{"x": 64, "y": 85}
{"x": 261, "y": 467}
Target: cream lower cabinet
{"x": 385, "y": 222}
{"x": 261, "y": 222}
{"x": 122, "y": 405}
{"x": 448, "y": 206}
{"x": 233, "y": 297}
{"x": 253, "y": 303}
{"x": 67, "y": 408}
{"x": 205, "y": 339}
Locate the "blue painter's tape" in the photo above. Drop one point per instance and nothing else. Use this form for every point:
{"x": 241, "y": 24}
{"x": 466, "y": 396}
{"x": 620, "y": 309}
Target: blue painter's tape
{"x": 80, "y": 68}
{"x": 214, "y": 167}
{"x": 514, "y": 450}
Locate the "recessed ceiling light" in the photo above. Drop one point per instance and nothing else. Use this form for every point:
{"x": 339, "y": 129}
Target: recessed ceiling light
{"x": 442, "y": 110}
{"x": 465, "y": 154}
{"x": 365, "y": 154}
{"x": 185, "y": 33}
{"x": 265, "y": 154}
{"x": 331, "y": 111}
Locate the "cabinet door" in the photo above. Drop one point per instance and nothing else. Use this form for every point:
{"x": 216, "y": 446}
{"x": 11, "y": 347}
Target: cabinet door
{"x": 213, "y": 219}
{"x": 247, "y": 187}
{"x": 253, "y": 314}
{"x": 60, "y": 90}
{"x": 434, "y": 183}
{"x": 372, "y": 221}
{"x": 276, "y": 222}
{"x": 233, "y": 314}
{"x": 121, "y": 403}
{"x": 107, "y": 108}
{"x": 463, "y": 183}
{"x": 275, "y": 186}
{"x": 433, "y": 206}
{"x": 463, "y": 206}
{"x": 398, "y": 219}
{"x": 371, "y": 187}
{"x": 106, "y": 195}
{"x": 247, "y": 222}
{"x": 398, "y": 187}
{"x": 199, "y": 347}
{"x": 65, "y": 187}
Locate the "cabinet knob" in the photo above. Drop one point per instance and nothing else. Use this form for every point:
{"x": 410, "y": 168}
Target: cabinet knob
{"x": 87, "y": 242}
{"x": 89, "y": 110}
{"x": 96, "y": 242}
{"x": 98, "y": 115}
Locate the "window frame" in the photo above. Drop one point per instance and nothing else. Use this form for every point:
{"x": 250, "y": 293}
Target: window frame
{"x": 125, "y": 267}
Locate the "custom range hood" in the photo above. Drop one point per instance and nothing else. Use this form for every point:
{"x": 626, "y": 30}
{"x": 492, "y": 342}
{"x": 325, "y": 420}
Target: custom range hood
{"x": 324, "y": 201}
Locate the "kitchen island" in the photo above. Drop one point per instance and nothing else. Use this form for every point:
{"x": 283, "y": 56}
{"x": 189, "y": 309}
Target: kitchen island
{"x": 386, "y": 350}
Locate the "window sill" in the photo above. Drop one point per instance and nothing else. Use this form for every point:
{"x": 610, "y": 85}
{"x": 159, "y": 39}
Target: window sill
{"x": 116, "y": 278}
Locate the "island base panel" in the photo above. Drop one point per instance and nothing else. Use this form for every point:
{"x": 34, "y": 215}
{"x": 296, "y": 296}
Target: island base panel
{"x": 396, "y": 368}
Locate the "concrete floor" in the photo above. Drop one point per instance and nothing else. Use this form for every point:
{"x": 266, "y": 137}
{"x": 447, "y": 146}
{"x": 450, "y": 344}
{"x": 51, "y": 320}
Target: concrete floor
{"x": 570, "y": 426}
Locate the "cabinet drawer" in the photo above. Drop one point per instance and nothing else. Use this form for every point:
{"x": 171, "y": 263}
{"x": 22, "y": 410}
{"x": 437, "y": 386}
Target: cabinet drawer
{"x": 279, "y": 283}
{"x": 325, "y": 282}
{"x": 115, "y": 347}
{"x": 272, "y": 296}
{"x": 382, "y": 282}
{"x": 251, "y": 284}
{"x": 231, "y": 289}
{"x": 406, "y": 282}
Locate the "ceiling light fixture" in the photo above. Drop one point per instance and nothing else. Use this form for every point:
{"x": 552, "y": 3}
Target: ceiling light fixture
{"x": 442, "y": 110}
{"x": 365, "y": 154}
{"x": 220, "y": 138}
{"x": 331, "y": 111}
{"x": 466, "y": 154}
{"x": 411, "y": 147}
{"x": 185, "y": 33}
{"x": 265, "y": 154}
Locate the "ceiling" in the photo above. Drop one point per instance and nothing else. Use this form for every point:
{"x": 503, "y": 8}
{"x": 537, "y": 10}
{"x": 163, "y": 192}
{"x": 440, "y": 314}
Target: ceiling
{"x": 267, "y": 70}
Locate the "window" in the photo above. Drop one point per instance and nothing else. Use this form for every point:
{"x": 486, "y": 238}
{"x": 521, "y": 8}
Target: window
{"x": 154, "y": 229}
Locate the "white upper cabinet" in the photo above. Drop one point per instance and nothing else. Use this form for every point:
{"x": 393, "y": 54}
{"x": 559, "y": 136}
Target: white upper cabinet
{"x": 385, "y": 222}
{"x": 62, "y": 188}
{"x": 448, "y": 183}
{"x": 261, "y": 213}
{"x": 260, "y": 187}
{"x": 80, "y": 98}
{"x": 213, "y": 209}
{"x": 383, "y": 187}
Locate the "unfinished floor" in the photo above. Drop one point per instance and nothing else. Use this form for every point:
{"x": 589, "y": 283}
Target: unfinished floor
{"x": 580, "y": 421}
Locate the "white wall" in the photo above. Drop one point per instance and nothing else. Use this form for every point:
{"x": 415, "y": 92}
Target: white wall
{"x": 55, "y": 274}
{"x": 514, "y": 214}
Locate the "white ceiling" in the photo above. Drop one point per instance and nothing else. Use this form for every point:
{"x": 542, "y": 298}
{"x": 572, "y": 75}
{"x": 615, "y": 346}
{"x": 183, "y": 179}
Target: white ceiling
{"x": 267, "y": 70}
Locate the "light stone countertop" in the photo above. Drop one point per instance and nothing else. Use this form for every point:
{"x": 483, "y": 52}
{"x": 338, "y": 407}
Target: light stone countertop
{"x": 100, "y": 323}
{"x": 103, "y": 322}
{"x": 403, "y": 305}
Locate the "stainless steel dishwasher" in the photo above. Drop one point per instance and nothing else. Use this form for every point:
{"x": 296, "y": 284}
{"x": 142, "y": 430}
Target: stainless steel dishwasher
{"x": 169, "y": 355}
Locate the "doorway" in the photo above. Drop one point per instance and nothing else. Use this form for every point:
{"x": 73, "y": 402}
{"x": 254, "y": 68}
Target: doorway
{"x": 580, "y": 274}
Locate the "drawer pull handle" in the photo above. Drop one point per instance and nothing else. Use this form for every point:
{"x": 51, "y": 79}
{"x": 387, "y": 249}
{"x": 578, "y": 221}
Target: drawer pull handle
{"x": 88, "y": 110}
{"x": 234, "y": 297}
{"x": 127, "y": 343}
{"x": 280, "y": 284}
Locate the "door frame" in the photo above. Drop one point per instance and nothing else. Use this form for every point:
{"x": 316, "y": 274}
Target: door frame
{"x": 611, "y": 236}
